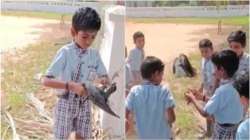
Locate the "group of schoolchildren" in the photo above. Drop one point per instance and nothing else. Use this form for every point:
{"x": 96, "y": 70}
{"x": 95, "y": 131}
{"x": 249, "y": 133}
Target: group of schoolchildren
{"x": 224, "y": 85}
{"x": 224, "y": 92}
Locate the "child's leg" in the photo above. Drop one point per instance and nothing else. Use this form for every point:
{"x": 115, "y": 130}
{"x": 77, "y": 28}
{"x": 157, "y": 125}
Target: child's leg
{"x": 209, "y": 127}
{"x": 83, "y": 122}
{"x": 79, "y": 137}
{"x": 62, "y": 120}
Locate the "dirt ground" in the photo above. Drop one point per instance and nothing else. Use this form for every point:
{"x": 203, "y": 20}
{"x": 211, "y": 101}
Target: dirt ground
{"x": 27, "y": 31}
{"x": 167, "y": 41}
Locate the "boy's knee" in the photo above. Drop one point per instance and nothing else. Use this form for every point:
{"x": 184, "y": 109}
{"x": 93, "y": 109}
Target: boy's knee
{"x": 61, "y": 136}
{"x": 79, "y": 137}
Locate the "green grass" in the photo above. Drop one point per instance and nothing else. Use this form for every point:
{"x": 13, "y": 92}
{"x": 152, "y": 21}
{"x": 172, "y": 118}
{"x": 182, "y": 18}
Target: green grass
{"x": 185, "y": 119}
{"x": 18, "y": 74}
{"x": 20, "y": 69}
{"x": 241, "y": 20}
{"x": 38, "y": 14}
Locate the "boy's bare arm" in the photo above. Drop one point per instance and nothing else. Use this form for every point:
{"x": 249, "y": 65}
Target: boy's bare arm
{"x": 129, "y": 119}
{"x": 71, "y": 86}
{"x": 137, "y": 78}
{"x": 199, "y": 108}
{"x": 191, "y": 98}
{"x": 201, "y": 88}
{"x": 170, "y": 115}
{"x": 198, "y": 95}
{"x": 53, "y": 83}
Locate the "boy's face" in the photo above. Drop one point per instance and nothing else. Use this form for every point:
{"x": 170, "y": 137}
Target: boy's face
{"x": 140, "y": 42}
{"x": 236, "y": 47}
{"x": 219, "y": 73}
{"x": 84, "y": 38}
{"x": 206, "y": 52}
{"x": 157, "y": 77}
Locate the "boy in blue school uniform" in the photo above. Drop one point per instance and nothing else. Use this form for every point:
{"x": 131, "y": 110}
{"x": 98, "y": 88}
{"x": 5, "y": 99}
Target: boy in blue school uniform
{"x": 207, "y": 74}
{"x": 136, "y": 56}
{"x": 207, "y": 67}
{"x": 242, "y": 86}
{"x": 224, "y": 106}
{"x": 150, "y": 103}
{"x": 76, "y": 64}
{"x": 208, "y": 80}
{"x": 237, "y": 42}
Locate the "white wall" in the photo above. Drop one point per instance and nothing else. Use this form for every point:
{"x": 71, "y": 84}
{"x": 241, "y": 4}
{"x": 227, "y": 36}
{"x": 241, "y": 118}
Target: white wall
{"x": 184, "y": 11}
{"x": 46, "y": 6}
{"x": 187, "y": 11}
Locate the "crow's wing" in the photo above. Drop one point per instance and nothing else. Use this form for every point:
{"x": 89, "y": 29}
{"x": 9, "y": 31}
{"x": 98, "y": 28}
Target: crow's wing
{"x": 99, "y": 97}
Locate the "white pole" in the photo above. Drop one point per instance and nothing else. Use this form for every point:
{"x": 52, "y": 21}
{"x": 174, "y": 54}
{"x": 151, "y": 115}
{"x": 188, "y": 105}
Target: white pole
{"x": 112, "y": 53}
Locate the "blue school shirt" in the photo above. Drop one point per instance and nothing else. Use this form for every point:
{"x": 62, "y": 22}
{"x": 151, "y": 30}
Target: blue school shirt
{"x": 207, "y": 74}
{"x": 135, "y": 58}
{"x": 64, "y": 64}
{"x": 243, "y": 66}
{"x": 128, "y": 75}
{"x": 225, "y": 104}
{"x": 243, "y": 130}
{"x": 149, "y": 103}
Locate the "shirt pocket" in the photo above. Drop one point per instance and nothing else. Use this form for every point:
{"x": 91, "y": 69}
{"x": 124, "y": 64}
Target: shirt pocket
{"x": 92, "y": 73}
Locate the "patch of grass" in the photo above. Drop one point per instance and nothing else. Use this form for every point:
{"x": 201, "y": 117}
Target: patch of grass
{"x": 19, "y": 69}
{"x": 241, "y": 20}
{"x": 38, "y": 14}
{"x": 185, "y": 119}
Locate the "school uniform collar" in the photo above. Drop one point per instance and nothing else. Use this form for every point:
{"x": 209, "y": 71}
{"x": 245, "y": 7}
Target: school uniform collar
{"x": 141, "y": 49}
{"x": 79, "y": 49}
{"x": 147, "y": 82}
{"x": 243, "y": 56}
{"x": 225, "y": 81}
{"x": 208, "y": 59}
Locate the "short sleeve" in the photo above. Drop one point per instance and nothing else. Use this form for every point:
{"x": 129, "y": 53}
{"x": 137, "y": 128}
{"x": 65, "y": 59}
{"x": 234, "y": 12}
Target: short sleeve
{"x": 130, "y": 100}
{"x": 202, "y": 70}
{"x": 128, "y": 74}
{"x": 243, "y": 131}
{"x": 133, "y": 60}
{"x": 213, "y": 103}
{"x": 101, "y": 70}
{"x": 58, "y": 64}
{"x": 168, "y": 99}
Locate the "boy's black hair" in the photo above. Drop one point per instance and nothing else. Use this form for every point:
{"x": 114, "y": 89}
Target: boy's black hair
{"x": 205, "y": 43}
{"x": 237, "y": 36}
{"x": 137, "y": 35}
{"x": 226, "y": 59}
{"x": 150, "y": 65}
{"x": 242, "y": 85}
{"x": 86, "y": 18}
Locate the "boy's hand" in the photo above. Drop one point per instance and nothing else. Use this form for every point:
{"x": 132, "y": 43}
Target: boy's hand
{"x": 211, "y": 119}
{"x": 189, "y": 96}
{"x": 77, "y": 88}
{"x": 200, "y": 89}
{"x": 104, "y": 80}
{"x": 196, "y": 93}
